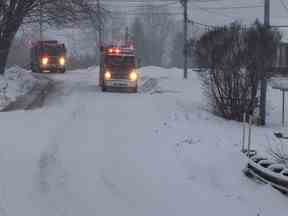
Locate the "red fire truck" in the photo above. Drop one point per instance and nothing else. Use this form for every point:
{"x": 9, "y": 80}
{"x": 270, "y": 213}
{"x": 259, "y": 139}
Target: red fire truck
{"x": 48, "y": 56}
{"x": 118, "y": 68}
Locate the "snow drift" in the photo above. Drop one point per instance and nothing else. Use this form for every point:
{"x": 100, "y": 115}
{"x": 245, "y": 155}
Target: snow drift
{"x": 14, "y": 83}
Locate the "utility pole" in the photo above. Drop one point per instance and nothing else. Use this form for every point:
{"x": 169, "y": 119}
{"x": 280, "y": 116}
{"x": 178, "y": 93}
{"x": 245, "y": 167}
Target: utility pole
{"x": 100, "y": 33}
{"x": 185, "y": 31}
{"x": 264, "y": 78}
{"x": 126, "y": 36}
{"x": 41, "y": 19}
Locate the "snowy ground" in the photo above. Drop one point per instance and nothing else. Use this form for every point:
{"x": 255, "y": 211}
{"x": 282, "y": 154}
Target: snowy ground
{"x": 158, "y": 152}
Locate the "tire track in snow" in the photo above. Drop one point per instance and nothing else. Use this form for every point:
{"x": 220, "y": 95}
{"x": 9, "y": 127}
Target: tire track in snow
{"x": 52, "y": 176}
{"x": 50, "y": 159}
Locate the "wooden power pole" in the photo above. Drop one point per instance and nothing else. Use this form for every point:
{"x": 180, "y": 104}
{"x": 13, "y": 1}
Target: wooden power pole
{"x": 100, "y": 29}
{"x": 127, "y": 36}
{"x": 41, "y": 19}
{"x": 263, "y": 94}
{"x": 185, "y": 31}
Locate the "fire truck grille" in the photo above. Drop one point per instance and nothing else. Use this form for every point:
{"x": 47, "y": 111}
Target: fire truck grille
{"x": 53, "y": 60}
{"x": 120, "y": 75}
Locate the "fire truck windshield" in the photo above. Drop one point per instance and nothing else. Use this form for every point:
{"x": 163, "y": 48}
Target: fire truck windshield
{"x": 53, "y": 51}
{"x": 119, "y": 60}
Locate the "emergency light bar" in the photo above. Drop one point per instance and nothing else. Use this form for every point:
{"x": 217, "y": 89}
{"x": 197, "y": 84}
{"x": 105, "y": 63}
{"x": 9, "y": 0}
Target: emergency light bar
{"x": 114, "y": 50}
{"x": 120, "y": 50}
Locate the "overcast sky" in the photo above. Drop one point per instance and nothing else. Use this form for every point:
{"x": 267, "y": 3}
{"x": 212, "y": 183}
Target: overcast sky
{"x": 212, "y": 12}
{"x": 279, "y": 14}
{"x": 220, "y": 15}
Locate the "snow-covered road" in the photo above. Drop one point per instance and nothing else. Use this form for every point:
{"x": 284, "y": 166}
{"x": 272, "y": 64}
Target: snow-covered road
{"x": 157, "y": 152}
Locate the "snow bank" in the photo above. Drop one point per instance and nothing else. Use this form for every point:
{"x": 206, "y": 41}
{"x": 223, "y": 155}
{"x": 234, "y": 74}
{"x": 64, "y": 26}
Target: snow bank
{"x": 15, "y": 82}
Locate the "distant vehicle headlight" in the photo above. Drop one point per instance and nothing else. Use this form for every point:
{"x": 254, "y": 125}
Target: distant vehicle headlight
{"x": 108, "y": 75}
{"x": 45, "y": 60}
{"x": 133, "y": 76}
{"x": 62, "y": 61}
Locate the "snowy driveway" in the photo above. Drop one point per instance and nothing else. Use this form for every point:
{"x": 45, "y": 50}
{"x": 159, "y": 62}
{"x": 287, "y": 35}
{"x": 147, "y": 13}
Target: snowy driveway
{"x": 157, "y": 152}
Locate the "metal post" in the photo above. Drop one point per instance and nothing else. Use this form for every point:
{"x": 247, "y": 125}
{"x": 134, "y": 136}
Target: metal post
{"x": 249, "y": 136}
{"x": 263, "y": 79}
{"x": 283, "y": 108}
{"x": 267, "y": 13}
{"x": 100, "y": 43}
{"x": 244, "y": 133}
{"x": 185, "y": 32}
{"x": 41, "y": 20}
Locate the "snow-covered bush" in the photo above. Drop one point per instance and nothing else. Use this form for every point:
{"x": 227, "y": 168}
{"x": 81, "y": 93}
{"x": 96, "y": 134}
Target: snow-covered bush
{"x": 236, "y": 58}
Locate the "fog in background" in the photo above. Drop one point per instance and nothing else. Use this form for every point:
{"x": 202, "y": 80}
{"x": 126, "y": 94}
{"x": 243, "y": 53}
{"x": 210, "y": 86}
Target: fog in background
{"x": 155, "y": 27}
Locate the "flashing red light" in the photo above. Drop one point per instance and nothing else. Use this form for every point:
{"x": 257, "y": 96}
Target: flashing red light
{"x": 114, "y": 50}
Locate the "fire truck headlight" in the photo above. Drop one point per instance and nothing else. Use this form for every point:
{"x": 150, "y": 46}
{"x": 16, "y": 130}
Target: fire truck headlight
{"x": 45, "y": 60}
{"x": 108, "y": 75}
{"x": 133, "y": 76}
{"x": 62, "y": 61}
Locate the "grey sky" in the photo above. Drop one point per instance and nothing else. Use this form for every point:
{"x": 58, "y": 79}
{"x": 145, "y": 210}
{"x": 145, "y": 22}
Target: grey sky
{"x": 213, "y": 12}
{"x": 210, "y": 12}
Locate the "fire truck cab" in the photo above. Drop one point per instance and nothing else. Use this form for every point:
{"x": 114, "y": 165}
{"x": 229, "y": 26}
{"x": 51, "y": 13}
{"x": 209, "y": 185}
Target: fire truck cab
{"x": 118, "y": 68}
{"x": 48, "y": 56}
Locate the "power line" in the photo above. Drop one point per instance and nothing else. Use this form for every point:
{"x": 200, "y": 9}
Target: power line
{"x": 234, "y": 7}
{"x": 140, "y": 1}
{"x": 137, "y": 8}
{"x": 146, "y": 13}
{"x": 214, "y": 12}
{"x": 143, "y": 4}
{"x": 138, "y": 5}
{"x": 201, "y": 24}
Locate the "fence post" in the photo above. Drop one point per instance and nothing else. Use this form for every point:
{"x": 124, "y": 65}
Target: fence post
{"x": 283, "y": 108}
{"x": 243, "y": 132}
{"x": 249, "y": 135}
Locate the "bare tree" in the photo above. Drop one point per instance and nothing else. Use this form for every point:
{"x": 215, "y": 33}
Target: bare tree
{"x": 236, "y": 58}
{"x": 15, "y": 13}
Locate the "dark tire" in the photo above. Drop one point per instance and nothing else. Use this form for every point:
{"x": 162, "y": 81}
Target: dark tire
{"x": 38, "y": 69}
{"x": 134, "y": 90}
{"x": 62, "y": 70}
{"x": 104, "y": 89}
{"x": 33, "y": 69}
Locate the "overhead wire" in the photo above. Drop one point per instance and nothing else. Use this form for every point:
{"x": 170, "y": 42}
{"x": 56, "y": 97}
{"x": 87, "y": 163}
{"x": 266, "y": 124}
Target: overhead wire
{"x": 135, "y": 7}
{"x": 235, "y": 7}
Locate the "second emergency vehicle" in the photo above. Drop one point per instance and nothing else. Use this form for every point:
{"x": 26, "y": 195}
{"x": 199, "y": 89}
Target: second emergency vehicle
{"x": 118, "y": 68}
{"x": 48, "y": 56}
